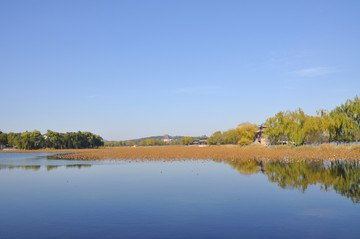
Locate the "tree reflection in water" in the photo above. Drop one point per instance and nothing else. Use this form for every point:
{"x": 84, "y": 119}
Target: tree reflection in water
{"x": 48, "y": 167}
{"x": 341, "y": 176}
{"x": 26, "y": 167}
{"x": 245, "y": 167}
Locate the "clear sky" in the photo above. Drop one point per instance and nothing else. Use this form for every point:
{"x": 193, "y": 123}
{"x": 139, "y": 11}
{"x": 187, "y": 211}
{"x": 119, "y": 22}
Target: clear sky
{"x": 128, "y": 69}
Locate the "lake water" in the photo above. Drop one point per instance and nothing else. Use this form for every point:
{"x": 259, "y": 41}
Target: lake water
{"x": 44, "y": 198}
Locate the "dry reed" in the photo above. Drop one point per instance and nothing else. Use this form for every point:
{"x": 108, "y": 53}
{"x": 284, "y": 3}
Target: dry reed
{"x": 217, "y": 153}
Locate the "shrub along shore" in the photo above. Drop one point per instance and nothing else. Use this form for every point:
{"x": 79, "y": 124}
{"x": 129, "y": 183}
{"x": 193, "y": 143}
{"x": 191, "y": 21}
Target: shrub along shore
{"x": 258, "y": 153}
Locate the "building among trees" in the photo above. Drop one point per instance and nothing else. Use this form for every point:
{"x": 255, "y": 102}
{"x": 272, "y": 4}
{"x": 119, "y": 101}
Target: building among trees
{"x": 200, "y": 140}
{"x": 167, "y": 139}
{"x": 260, "y": 137}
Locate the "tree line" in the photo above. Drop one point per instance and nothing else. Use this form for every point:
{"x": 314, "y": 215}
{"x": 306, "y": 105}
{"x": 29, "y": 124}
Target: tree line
{"x": 128, "y": 143}
{"x": 341, "y": 124}
{"x": 244, "y": 134}
{"x": 54, "y": 140}
{"x": 186, "y": 140}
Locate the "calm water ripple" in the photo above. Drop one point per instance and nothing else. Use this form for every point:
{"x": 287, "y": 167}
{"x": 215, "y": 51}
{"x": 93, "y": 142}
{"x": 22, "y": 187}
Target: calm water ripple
{"x": 42, "y": 198}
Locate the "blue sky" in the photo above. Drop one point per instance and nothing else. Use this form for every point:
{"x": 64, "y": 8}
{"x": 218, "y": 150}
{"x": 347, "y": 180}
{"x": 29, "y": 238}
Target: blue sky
{"x": 128, "y": 69}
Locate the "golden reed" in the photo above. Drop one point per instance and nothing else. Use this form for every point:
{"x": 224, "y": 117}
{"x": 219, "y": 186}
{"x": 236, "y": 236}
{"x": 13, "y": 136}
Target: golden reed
{"x": 212, "y": 152}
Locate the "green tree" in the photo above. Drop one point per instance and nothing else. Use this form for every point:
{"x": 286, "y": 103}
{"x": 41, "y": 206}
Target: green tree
{"x": 36, "y": 140}
{"x": 351, "y": 109}
{"x": 3, "y": 139}
{"x": 187, "y": 140}
{"x": 231, "y": 136}
{"x": 55, "y": 140}
{"x": 175, "y": 142}
{"x": 216, "y": 138}
{"x": 277, "y": 128}
{"x": 296, "y": 127}
{"x": 314, "y": 132}
{"x": 151, "y": 142}
{"x": 14, "y": 140}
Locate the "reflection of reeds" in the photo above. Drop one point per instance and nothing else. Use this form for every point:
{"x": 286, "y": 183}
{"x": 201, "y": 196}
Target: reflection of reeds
{"x": 216, "y": 153}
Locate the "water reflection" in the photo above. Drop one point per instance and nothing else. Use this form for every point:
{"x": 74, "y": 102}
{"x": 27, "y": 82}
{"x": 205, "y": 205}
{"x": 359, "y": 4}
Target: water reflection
{"x": 26, "y": 167}
{"x": 37, "y": 167}
{"x": 79, "y": 166}
{"x": 341, "y": 176}
{"x": 246, "y": 167}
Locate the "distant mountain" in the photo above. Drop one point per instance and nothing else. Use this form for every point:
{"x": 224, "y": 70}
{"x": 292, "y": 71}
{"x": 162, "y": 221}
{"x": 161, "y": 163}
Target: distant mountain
{"x": 158, "y": 138}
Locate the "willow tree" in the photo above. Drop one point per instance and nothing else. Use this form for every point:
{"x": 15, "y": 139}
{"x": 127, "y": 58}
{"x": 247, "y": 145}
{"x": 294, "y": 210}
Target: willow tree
{"x": 314, "y": 132}
{"x": 343, "y": 124}
{"x": 295, "y": 127}
{"x": 327, "y": 124}
{"x": 351, "y": 108}
{"x": 277, "y": 128}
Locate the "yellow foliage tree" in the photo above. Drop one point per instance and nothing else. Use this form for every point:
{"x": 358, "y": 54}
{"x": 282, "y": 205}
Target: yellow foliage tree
{"x": 247, "y": 133}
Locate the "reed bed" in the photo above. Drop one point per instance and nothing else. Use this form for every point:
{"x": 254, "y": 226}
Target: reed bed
{"x": 215, "y": 153}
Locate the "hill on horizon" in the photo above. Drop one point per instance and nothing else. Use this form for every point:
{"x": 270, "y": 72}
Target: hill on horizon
{"x": 157, "y": 138}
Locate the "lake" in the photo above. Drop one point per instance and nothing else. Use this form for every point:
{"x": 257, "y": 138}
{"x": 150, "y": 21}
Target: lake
{"x": 46, "y": 198}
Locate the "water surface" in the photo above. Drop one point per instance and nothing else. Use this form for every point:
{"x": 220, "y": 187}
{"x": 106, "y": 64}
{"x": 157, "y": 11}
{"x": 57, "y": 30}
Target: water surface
{"x": 42, "y": 198}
